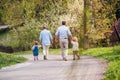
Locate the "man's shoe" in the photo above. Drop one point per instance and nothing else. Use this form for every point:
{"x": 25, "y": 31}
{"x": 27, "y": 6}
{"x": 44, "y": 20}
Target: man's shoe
{"x": 45, "y": 58}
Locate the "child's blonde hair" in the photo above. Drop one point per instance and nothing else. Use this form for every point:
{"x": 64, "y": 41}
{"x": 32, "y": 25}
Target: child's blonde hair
{"x": 75, "y": 39}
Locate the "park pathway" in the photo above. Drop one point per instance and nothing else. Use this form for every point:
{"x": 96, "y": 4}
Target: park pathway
{"x": 87, "y": 68}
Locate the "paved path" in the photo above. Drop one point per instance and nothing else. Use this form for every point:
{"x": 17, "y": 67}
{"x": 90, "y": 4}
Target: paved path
{"x": 87, "y": 68}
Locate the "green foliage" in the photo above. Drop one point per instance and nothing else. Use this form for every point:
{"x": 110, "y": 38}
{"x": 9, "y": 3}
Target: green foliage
{"x": 20, "y": 15}
{"x": 51, "y": 51}
{"x": 100, "y": 20}
{"x": 6, "y": 39}
{"x": 58, "y": 51}
{"x": 108, "y": 53}
{"x": 113, "y": 72}
{"x": 112, "y": 54}
{"x": 27, "y": 34}
{"x": 9, "y": 59}
{"x": 25, "y": 16}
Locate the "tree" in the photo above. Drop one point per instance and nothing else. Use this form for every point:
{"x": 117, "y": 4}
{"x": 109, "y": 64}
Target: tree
{"x": 85, "y": 24}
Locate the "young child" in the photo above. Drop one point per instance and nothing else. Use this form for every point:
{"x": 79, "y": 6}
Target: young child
{"x": 35, "y": 50}
{"x": 75, "y": 48}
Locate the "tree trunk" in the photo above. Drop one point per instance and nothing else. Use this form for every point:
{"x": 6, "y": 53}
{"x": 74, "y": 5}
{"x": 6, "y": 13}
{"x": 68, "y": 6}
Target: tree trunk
{"x": 84, "y": 23}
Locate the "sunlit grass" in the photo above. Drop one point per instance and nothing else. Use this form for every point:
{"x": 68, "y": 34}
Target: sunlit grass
{"x": 51, "y": 51}
{"x": 10, "y": 59}
{"x": 112, "y": 54}
{"x": 58, "y": 51}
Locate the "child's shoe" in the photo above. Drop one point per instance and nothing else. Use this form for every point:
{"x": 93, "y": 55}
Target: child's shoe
{"x": 78, "y": 57}
{"x": 73, "y": 58}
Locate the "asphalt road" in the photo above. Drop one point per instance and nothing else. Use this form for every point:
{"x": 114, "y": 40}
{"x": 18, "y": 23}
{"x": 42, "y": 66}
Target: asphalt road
{"x": 87, "y": 68}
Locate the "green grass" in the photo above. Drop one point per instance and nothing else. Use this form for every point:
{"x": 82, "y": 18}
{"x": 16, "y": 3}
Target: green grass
{"x": 58, "y": 51}
{"x": 51, "y": 51}
{"x": 23, "y": 52}
{"x": 111, "y": 54}
{"x": 10, "y": 59}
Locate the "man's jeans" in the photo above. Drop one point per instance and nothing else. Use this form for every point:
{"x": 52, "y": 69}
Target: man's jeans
{"x": 64, "y": 47}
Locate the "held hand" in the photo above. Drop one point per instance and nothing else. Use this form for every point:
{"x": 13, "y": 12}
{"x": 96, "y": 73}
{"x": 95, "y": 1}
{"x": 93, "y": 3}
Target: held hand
{"x": 51, "y": 41}
{"x": 56, "y": 40}
{"x": 70, "y": 37}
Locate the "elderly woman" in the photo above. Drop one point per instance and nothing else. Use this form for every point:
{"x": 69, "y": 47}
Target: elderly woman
{"x": 46, "y": 39}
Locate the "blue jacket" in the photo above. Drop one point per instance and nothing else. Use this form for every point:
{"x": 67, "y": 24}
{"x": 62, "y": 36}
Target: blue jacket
{"x": 45, "y": 37}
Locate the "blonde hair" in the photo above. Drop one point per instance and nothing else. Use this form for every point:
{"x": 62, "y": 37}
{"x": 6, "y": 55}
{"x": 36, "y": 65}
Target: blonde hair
{"x": 36, "y": 42}
{"x": 75, "y": 39}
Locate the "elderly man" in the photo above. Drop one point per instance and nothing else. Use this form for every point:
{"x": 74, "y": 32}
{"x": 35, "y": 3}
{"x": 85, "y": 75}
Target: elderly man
{"x": 64, "y": 33}
{"x": 46, "y": 39}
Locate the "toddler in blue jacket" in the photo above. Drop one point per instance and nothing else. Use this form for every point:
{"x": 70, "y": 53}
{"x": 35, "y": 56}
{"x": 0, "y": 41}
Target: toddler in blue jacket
{"x": 35, "y": 50}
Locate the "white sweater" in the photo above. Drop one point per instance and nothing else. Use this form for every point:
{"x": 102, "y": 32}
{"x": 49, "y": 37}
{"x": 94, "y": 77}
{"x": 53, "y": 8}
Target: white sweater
{"x": 75, "y": 45}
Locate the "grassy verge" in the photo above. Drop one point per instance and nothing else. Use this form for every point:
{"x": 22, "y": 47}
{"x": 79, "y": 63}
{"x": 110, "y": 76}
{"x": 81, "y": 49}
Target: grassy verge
{"x": 112, "y": 54}
{"x": 51, "y": 51}
{"x": 10, "y": 59}
{"x": 58, "y": 51}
